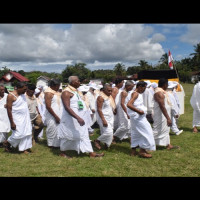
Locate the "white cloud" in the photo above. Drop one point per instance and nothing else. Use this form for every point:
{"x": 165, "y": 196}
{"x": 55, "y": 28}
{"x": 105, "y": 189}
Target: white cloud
{"x": 158, "y": 37}
{"x": 192, "y": 36}
{"x": 43, "y": 43}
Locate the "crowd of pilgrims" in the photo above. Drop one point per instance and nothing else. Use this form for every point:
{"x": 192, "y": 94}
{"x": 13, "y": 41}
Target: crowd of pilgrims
{"x": 142, "y": 112}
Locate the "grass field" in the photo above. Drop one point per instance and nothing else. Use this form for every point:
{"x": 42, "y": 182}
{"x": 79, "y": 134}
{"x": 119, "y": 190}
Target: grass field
{"x": 45, "y": 162}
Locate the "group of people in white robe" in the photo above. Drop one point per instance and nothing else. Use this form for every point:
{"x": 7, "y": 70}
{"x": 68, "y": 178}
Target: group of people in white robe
{"x": 121, "y": 111}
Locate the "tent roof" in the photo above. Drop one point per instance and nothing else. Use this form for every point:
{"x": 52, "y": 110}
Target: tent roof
{"x": 157, "y": 74}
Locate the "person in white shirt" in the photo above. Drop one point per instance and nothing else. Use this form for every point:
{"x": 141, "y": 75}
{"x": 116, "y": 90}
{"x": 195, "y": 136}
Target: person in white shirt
{"x": 195, "y": 103}
{"x": 4, "y": 120}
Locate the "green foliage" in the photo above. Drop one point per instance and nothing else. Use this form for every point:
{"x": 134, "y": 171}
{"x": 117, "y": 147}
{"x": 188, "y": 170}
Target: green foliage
{"x": 120, "y": 69}
{"x": 3, "y": 71}
{"x": 78, "y": 69}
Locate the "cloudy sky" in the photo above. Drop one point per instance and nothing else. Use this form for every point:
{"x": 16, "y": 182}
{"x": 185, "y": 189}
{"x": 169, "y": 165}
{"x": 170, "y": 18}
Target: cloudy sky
{"x": 51, "y": 47}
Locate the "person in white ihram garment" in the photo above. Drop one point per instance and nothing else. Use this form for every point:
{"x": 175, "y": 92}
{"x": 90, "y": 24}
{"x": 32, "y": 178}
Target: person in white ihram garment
{"x": 53, "y": 113}
{"x": 91, "y": 95}
{"x": 123, "y": 131}
{"x": 116, "y": 90}
{"x": 162, "y": 115}
{"x": 20, "y": 121}
{"x": 106, "y": 107}
{"x": 148, "y": 100}
{"x": 175, "y": 109}
{"x": 141, "y": 131}
{"x": 195, "y": 103}
{"x": 4, "y": 120}
{"x": 83, "y": 89}
{"x": 39, "y": 94}
{"x": 72, "y": 130}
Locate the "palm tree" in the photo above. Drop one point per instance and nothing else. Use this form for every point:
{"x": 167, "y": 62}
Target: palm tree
{"x": 196, "y": 55}
{"x": 143, "y": 64}
{"x": 164, "y": 59}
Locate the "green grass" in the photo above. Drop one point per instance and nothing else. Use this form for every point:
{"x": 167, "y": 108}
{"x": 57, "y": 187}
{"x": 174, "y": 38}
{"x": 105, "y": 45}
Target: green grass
{"x": 44, "y": 162}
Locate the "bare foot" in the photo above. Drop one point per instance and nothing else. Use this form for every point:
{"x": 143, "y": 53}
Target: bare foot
{"x": 195, "y": 130}
{"x": 94, "y": 155}
{"x": 97, "y": 144}
{"x": 65, "y": 156}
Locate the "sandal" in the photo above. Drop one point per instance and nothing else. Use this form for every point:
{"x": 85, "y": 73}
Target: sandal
{"x": 97, "y": 155}
{"x": 65, "y": 156}
{"x": 173, "y": 147}
{"x": 145, "y": 155}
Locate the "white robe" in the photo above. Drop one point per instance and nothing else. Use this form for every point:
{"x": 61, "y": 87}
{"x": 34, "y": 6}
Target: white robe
{"x": 42, "y": 110}
{"x": 123, "y": 131}
{"x": 4, "y": 120}
{"x": 92, "y": 99}
{"x": 73, "y": 136}
{"x": 116, "y": 120}
{"x": 106, "y": 132}
{"x": 52, "y": 126}
{"x": 148, "y": 100}
{"x": 160, "y": 128}
{"x": 174, "y": 112}
{"x": 195, "y": 103}
{"x": 141, "y": 131}
{"x": 22, "y": 136}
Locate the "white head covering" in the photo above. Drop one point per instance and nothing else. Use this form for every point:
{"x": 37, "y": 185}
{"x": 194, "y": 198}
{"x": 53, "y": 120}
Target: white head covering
{"x": 37, "y": 91}
{"x": 148, "y": 83}
{"x": 83, "y": 88}
{"x": 171, "y": 84}
{"x": 113, "y": 85}
{"x": 93, "y": 85}
{"x": 154, "y": 85}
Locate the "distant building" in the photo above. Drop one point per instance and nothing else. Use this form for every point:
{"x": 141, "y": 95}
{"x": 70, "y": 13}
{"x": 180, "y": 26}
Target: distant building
{"x": 42, "y": 81}
{"x": 11, "y": 77}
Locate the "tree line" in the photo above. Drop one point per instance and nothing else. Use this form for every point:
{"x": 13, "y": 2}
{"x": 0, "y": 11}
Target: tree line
{"x": 184, "y": 67}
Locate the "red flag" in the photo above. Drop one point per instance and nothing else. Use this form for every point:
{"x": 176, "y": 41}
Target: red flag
{"x": 170, "y": 59}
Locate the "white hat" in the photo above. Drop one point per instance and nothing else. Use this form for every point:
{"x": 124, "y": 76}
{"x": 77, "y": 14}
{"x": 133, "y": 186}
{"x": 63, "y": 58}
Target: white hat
{"x": 175, "y": 83}
{"x": 148, "y": 83}
{"x": 83, "y": 88}
{"x": 93, "y": 85}
{"x": 99, "y": 87}
{"x": 37, "y": 91}
{"x": 113, "y": 85}
{"x": 171, "y": 84}
{"x": 154, "y": 85}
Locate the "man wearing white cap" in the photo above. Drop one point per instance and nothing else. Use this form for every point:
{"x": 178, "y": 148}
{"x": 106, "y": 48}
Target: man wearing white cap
{"x": 91, "y": 95}
{"x": 175, "y": 109}
{"x": 87, "y": 117}
{"x": 195, "y": 103}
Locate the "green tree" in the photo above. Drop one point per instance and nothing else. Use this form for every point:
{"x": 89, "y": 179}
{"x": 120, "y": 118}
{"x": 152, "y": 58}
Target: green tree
{"x": 196, "y": 55}
{"x": 4, "y": 71}
{"x": 78, "y": 69}
{"x": 164, "y": 59}
{"x": 120, "y": 69}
